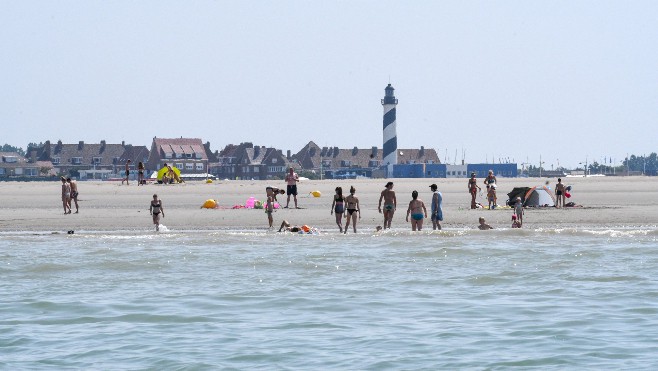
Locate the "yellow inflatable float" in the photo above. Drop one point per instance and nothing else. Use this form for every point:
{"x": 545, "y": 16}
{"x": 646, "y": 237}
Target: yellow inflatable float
{"x": 316, "y": 193}
{"x": 209, "y": 204}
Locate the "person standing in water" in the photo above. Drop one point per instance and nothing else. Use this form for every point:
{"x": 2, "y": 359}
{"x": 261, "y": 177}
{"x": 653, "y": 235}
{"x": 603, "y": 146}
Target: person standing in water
{"x": 74, "y": 193}
{"x": 436, "y": 207}
{"x": 352, "y": 206}
{"x": 390, "y": 204}
{"x": 156, "y": 209}
{"x": 291, "y": 183}
{"x": 473, "y": 189}
{"x": 338, "y": 207}
{"x": 417, "y": 210}
{"x": 66, "y": 196}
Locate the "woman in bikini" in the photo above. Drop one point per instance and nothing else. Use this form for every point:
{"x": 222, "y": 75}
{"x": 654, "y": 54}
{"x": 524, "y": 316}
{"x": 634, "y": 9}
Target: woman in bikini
{"x": 338, "y": 207}
{"x": 352, "y": 206}
{"x": 417, "y": 210}
{"x": 156, "y": 209}
{"x": 473, "y": 189}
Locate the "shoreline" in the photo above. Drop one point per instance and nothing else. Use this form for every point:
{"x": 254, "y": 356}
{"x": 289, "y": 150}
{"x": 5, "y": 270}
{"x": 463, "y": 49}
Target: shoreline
{"x": 608, "y": 202}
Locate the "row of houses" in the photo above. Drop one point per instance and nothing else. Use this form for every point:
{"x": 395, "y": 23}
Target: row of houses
{"x": 193, "y": 156}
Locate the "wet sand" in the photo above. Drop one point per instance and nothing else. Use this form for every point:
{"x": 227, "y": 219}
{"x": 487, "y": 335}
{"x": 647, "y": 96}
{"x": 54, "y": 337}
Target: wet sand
{"x": 607, "y": 202}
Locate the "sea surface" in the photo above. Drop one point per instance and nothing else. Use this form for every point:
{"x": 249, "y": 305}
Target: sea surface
{"x": 455, "y": 299}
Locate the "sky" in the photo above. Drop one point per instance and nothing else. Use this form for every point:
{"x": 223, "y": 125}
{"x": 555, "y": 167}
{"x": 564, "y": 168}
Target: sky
{"x": 564, "y": 81}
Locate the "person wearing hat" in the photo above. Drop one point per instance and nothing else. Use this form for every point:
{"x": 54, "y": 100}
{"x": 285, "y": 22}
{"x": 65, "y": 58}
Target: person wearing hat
{"x": 436, "y": 207}
{"x": 473, "y": 188}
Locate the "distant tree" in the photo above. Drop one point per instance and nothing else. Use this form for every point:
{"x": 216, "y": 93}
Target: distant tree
{"x": 10, "y": 148}
{"x": 44, "y": 170}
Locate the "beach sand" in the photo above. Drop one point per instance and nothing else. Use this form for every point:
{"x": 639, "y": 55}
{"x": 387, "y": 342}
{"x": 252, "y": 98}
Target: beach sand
{"x": 608, "y": 202}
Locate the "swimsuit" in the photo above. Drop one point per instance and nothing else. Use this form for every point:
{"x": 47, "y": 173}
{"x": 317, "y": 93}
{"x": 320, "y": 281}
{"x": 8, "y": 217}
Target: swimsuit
{"x": 339, "y": 205}
{"x": 156, "y": 208}
{"x": 351, "y": 211}
{"x": 292, "y": 189}
{"x": 418, "y": 216}
{"x": 389, "y": 206}
{"x": 559, "y": 193}
{"x": 437, "y": 211}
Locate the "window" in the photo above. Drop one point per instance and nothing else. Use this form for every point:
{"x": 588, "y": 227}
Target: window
{"x": 56, "y": 161}
{"x": 199, "y": 166}
{"x": 326, "y": 163}
{"x": 97, "y": 160}
{"x": 345, "y": 163}
{"x": 275, "y": 169}
{"x": 373, "y": 163}
{"x": 10, "y": 159}
{"x": 245, "y": 169}
{"x": 188, "y": 155}
{"x": 255, "y": 169}
{"x": 198, "y": 155}
{"x": 430, "y": 161}
{"x": 168, "y": 155}
{"x": 179, "y": 165}
{"x": 31, "y": 172}
{"x": 189, "y": 166}
{"x": 76, "y": 160}
{"x": 274, "y": 160}
{"x": 2, "y": 171}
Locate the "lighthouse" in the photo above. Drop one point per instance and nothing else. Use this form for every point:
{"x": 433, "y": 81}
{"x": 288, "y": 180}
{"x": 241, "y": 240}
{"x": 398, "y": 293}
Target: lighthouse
{"x": 390, "y": 136}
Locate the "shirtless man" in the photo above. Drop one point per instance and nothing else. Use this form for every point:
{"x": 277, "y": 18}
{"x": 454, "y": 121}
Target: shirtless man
{"x": 66, "y": 196}
{"x": 390, "y": 204}
{"x": 560, "y": 191}
{"x": 291, "y": 181}
{"x": 74, "y": 193}
{"x": 417, "y": 210}
{"x": 127, "y": 178}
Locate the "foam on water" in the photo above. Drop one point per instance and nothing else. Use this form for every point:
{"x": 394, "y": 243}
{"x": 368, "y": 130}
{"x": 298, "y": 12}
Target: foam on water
{"x": 451, "y": 299}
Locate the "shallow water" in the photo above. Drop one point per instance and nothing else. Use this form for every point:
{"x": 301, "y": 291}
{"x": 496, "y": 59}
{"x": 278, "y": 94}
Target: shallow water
{"x": 550, "y": 299}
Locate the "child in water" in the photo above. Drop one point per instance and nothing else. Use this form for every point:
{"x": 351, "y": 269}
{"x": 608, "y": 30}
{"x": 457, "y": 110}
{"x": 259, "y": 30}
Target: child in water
{"x": 483, "y": 226}
{"x": 515, "y": 222}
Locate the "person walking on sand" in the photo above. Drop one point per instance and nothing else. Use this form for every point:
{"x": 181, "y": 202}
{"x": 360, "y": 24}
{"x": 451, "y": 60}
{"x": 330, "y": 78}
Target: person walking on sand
{"x": 140, "y": 173}
{"x": 417, "y": 210}
{"x": 74, "y": 193}
{"x": 338, "y": 207}
{"x": 390, "y": 204}
{"x": 291, "y": 183}
{"x": 127, "y": 178}
{"x": 156, "y": 209}
{"x": 436, "y": 207}
{"x": 560, "y": 191}
{"x": 473, "y": 189}
{"x": 351, "y": 206}
{"x": 66, "y": 196}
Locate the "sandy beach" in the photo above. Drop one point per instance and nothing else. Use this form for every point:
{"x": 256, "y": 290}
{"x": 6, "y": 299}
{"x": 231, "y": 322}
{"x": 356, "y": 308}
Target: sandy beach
{"x": 109, "y": 206}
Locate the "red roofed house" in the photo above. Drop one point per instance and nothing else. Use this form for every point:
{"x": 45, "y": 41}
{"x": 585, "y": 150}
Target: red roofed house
{"x": 187, "y": 154}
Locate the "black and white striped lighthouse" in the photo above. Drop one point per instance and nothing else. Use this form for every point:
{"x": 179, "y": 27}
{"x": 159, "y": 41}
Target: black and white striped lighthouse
{"x": 390, "y": 136}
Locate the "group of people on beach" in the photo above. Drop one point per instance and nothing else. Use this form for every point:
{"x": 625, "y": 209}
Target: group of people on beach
{"x": 69, "y": 194}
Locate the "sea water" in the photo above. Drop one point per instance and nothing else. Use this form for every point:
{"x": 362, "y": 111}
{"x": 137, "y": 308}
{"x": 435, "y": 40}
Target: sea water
{"x": 455, "y": 299}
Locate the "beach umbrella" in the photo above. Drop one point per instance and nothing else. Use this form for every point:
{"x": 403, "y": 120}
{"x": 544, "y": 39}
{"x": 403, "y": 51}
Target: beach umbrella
{"x": 164, "y": 170}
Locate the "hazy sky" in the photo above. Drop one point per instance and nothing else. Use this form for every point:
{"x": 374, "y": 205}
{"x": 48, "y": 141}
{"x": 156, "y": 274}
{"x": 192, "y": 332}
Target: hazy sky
{"x": 562, "y": 79}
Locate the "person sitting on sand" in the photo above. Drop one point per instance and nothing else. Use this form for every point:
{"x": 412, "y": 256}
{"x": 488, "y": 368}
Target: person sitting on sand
{"x": 156, "y": 209}
{"x": 483, "y": 226}
{"x": 515, "y": 222}
{"x": 418, "y": 212}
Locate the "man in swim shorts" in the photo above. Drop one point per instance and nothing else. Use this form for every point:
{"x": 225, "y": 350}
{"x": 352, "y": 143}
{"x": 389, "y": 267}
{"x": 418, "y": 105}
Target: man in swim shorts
{"x": 390, "y": 204}
{"x": 560, "y": 193}
{"x": 291, "y": 183}
{"x": 74, "y": 193}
